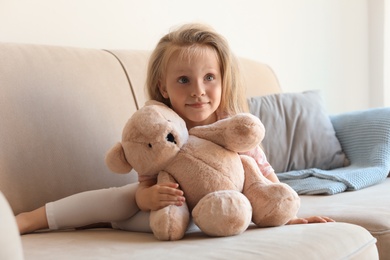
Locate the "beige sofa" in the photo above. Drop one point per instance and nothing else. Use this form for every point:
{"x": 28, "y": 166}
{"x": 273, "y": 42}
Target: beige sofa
{"x": 62, "y": 108}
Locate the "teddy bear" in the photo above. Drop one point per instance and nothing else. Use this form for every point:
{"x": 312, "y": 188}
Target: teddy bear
{"x": 224, "y": 191}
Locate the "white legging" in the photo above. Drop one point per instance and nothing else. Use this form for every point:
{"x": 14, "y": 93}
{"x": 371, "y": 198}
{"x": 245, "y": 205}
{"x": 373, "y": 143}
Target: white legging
{"x": 114, "y": 205}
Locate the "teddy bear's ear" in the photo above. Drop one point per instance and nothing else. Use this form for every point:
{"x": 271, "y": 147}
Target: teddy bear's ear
{"x": 116, "y": 160}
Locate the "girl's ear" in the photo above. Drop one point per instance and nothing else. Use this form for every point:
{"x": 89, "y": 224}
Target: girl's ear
{"x": 116, "y": 160}
{"x": 163, "y": 90}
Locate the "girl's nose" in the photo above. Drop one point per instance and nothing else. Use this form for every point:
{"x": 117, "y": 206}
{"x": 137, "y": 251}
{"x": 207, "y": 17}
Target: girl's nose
{"x": 198, "y": 89}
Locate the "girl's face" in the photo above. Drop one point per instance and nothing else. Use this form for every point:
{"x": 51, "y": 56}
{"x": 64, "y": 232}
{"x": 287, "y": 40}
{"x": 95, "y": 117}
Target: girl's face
{"x": 194, "y": 87}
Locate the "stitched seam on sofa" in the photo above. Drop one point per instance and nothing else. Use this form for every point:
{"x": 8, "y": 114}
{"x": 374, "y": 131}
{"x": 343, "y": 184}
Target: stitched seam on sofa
{"x": 362, "y": 248}
{"x": 127, "y": 76}
{"x": 380, "y": 233}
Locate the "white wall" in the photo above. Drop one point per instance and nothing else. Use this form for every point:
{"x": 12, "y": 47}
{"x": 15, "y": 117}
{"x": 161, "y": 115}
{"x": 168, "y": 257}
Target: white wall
{"x": 311, "y": 44}
{"x": 376, "y": 35}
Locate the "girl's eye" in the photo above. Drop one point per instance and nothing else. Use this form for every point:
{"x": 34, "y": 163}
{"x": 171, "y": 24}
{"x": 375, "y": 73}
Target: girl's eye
{"x": 183, "y": 80}
{"x": 209, "y": 77}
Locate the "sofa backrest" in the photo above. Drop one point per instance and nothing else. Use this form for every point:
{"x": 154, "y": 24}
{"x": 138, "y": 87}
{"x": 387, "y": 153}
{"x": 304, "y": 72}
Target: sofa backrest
{"x": 62, "y": 108}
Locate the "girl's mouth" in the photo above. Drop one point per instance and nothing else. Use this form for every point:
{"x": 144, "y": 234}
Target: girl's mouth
{"x": 197, "y": 104}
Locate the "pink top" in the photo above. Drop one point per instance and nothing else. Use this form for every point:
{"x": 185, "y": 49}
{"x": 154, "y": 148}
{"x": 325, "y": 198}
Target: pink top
{"x": 258, "y": 154}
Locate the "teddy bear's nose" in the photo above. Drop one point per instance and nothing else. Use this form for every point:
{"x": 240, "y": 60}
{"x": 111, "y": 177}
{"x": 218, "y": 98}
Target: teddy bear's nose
{"x": 171, "y": 138}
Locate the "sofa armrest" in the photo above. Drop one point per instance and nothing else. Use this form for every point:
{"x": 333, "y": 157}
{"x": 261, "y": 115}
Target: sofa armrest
{"x": 10, "y": 242}
{"x": 365, "y": 136}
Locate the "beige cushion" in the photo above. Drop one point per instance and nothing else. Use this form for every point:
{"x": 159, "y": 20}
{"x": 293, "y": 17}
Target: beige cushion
{"x": 368, "y": 208}
{"x": 61, "y": 109}
{"x": 314, "y": 241}
{"x": 299, "y": 133}
{"x": 259, "y": 78}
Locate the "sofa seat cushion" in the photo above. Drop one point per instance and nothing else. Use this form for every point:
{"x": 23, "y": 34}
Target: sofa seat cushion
{"x": 368, "y": 208}
{"x": 330, "y": 241}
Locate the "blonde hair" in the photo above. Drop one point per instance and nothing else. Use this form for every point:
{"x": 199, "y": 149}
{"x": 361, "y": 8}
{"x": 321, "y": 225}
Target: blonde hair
{"x": 189, "y": 40}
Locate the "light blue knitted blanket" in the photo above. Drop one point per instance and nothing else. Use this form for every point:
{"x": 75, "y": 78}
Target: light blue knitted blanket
{"x": 365, "y": 138}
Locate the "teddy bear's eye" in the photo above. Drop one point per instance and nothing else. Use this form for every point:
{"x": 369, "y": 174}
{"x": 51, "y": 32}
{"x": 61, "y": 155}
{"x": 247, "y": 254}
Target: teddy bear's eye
{"x": 171, "y": 138}
{"x": 150, "y": 145}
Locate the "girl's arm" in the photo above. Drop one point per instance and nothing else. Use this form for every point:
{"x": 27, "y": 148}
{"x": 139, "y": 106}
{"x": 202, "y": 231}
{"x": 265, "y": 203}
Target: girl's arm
{"x": 152, "y": 196}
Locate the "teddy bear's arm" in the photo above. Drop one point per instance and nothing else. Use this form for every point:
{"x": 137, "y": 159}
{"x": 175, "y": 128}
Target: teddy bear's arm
{"x": 164, "y": 177}
{"x": 239, "y": 133}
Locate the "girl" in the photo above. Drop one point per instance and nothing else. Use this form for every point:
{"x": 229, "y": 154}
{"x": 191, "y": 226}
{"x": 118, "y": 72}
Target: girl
{"x": 193, "y": 71}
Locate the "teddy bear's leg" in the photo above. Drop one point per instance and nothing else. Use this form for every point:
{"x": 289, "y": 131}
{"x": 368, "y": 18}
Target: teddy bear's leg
{"x": 170, "y": 223}
{"x": 223, "y": 213}
{"x": 273, "y": 204}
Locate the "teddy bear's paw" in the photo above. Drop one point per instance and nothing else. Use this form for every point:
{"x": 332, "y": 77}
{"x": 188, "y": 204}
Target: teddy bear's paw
{"x": 273, "y": 205}
{"x": 244, "y": 132}
{"x": 223, "y": 213}
{"x": 170, "y": 223}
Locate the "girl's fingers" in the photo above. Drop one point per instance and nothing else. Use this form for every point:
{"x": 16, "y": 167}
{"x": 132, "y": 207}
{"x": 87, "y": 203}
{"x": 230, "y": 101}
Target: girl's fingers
{"x": 169, "y": 184}
{"x": 329, "y": 219}
{"x": 166, "y": 203}
{"x": 313, "y": 219}
{"x": 171, "y": 198}
{"x": 171, "y": 189}
{"x": 320, "y": 219}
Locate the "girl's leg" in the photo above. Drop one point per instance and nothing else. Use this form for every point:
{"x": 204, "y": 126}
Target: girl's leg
{"x": 90, "y": 207}
{"x": 137, "y": 223}
{"x": 140, "y": 223}
{"x": 31, "y": 221}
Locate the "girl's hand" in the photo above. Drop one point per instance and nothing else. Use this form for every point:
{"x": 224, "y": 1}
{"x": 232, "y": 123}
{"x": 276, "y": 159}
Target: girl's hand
{"x": 313, "y": 219}
{"x": 158, "y": 196}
